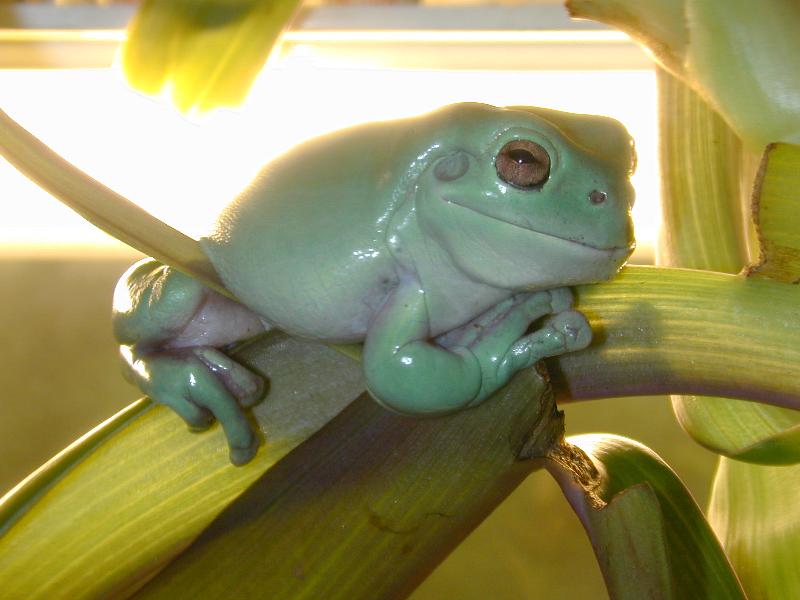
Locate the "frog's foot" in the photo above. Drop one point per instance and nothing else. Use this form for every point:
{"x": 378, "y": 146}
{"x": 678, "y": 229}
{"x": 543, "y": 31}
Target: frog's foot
{"x": 507, "y": 321}
{"x": 201, "y": 384}
{"x": 565, "y": 332}
{"x": 497, "y": 343}
{"x": 503, "y": 348}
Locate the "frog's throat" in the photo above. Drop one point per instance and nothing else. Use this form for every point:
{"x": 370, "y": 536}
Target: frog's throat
{"x": 613, "y": 250}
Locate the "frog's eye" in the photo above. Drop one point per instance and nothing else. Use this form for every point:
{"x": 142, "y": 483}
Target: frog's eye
{"x": 523, "y": 164}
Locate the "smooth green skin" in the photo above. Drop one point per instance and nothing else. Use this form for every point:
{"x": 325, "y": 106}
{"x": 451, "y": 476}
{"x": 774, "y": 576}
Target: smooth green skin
{"x": 401, "y": 235}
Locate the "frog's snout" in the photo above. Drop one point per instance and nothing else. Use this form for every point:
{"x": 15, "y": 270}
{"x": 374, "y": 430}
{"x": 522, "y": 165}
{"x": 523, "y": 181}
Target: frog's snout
{"x": 452, "y": 166}
{"x": 607, "y": 208}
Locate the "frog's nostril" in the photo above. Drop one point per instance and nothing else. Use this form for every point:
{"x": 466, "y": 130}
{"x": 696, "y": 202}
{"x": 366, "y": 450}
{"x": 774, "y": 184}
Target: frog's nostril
{"x": 451, "y": 167}
{"x": 597, "y": 197}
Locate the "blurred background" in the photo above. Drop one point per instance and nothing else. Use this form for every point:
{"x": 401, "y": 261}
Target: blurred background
{"x": 340, "y": 63}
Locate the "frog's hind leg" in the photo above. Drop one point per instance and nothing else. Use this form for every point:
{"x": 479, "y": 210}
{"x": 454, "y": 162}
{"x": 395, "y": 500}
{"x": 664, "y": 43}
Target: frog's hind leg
{"x": 171, "y": 329}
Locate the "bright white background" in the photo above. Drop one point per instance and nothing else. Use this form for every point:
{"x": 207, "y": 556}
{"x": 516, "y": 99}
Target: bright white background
{"x": 184, "y": 171}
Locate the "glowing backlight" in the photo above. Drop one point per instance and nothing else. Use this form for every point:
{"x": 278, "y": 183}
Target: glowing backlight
{"x": 184, "y": 171}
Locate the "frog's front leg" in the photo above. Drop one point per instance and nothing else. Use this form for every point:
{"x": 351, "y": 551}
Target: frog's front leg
{"x": 409, "y": 373}
{"x": 170, "y": 328}
{"x": 502, "y": 348}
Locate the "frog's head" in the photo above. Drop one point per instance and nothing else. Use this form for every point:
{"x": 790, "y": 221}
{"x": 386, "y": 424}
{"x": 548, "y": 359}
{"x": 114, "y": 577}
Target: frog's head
{"x": 528, "y": 198}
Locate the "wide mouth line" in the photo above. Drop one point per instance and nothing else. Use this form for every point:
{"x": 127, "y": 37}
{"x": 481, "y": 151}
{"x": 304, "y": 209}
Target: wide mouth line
{"x": 550, "y": 235}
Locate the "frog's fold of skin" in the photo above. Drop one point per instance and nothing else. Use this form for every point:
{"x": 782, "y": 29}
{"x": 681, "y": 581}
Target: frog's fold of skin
{"x": 436, "y": 240}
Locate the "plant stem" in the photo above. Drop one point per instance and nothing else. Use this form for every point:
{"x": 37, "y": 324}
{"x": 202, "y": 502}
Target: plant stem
{"x": 676, "y": 331}
{"x": 703, "y": 224}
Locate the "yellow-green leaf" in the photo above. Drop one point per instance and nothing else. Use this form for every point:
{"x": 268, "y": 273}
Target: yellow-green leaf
{"x": 742, "y": 430}
{"x": 101, "y": 518}
{"x": 369, "y": 506}
{"x": 204, "y": 53}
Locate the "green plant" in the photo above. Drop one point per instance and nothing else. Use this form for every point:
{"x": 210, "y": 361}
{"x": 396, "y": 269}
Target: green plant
{"x": 662, "y": 333}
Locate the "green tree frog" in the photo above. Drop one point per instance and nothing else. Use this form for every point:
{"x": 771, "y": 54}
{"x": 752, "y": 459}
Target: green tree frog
{"x": 437, "y": 241}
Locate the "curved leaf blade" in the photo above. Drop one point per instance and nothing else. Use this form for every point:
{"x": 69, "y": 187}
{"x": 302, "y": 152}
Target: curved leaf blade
{"x": 102, "y": 206}
{"x": 637, "y": 512}
{"x": 745, "y": 431}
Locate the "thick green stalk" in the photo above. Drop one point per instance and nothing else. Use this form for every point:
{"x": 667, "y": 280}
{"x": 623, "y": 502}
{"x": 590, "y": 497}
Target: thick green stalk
{"x": 706, "y": 187}
{"x": 662, "y": 331}
{"x": 117, "y": 505}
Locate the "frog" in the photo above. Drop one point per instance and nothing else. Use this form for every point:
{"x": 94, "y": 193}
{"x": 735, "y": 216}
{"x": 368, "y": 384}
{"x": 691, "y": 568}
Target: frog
{"x": 445, "y": 243}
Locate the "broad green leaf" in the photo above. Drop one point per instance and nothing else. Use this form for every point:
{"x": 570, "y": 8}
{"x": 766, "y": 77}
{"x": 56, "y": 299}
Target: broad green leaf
{"x": 755, "y": 512}
{"x": 649, "y": 535}
{"x": 742, "y": 56}
{"x": 101, "y": 517}
{"x": 204, "y": 53}
{"x": 371, "y": 504}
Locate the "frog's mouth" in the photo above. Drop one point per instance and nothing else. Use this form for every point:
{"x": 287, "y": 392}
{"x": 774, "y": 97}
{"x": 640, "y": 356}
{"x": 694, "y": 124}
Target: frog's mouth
{"x": 613, "y": 252}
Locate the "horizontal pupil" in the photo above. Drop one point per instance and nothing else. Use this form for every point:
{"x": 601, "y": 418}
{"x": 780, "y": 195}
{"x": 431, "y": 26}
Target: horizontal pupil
{"x": 521, "y": 157}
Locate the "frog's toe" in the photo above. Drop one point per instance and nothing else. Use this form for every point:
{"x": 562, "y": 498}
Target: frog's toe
{"x": 245, "y": 386}
{"x": 242, "y": 455}
{"x": 560, "y": 300}
{"x": 574, "y": 329}
{"x": 209, "y": 393}
{"x": 196, "y": 417}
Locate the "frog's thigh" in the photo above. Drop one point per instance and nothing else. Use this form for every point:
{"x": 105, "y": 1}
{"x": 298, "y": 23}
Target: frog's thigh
{"x": 405, "y": 372}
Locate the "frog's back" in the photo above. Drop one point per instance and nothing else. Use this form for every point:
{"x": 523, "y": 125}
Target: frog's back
{"x": 305, "y": 244}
